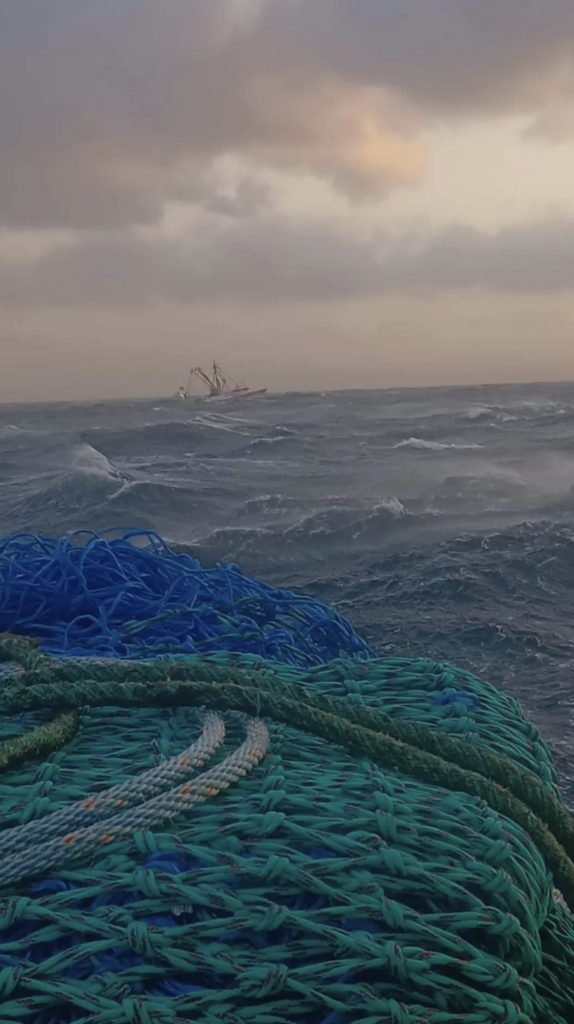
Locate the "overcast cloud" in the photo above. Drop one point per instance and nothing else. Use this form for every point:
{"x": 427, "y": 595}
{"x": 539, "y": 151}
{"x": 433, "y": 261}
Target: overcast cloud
{"x": 266, "y": 260}
{"x": 108, "y": 108}
{"x": 120, "y": 119}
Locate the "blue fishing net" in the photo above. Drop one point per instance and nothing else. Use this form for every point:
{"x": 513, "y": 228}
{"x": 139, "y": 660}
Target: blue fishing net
{"x": 133, "y": 596}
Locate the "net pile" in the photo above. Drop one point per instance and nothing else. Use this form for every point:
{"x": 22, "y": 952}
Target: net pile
{"x": 132, "y": 597}
{"x": 234, "y": 838}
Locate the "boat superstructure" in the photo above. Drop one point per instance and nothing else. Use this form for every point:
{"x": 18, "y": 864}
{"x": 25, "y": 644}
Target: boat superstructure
{"x": 219, "y": 385}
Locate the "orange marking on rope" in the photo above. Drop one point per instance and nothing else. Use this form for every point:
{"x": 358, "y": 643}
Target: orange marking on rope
{"x": 184, "y": 760}
{"x": 89, "y": 803}
{"x": 121, "y": 803}
{"x": 106, "y": 838}
{"x": 70, "y": 838}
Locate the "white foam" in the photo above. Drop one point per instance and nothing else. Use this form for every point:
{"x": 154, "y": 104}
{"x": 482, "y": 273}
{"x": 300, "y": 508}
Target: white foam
{"x": 392, "y": 505}
{"x": 10, "y": 429}
{"x": 216, "y": 424}
{"x": 269, "y": 440}
{"x": 433, "y": 446}
{"x": 477, "y": 411}
{"x": 86, "y": 459}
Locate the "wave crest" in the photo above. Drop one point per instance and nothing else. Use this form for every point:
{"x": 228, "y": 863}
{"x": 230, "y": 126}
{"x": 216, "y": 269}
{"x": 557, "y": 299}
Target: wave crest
{"x": 433, "y": 446}
{"x": 89, "y": 460}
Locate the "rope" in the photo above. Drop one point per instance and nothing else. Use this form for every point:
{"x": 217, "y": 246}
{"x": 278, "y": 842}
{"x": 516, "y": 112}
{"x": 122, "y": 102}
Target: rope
{"x": 77, "y": 815}
{"x": 523, "y": 798}
{"x": 55, "y": 848}
{"x": 40, "y": 741}
{"x": 408, "y": 747}
{"x": 375, "y": 866}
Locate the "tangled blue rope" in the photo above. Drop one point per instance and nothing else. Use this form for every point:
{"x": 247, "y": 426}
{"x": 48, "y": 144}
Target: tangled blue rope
{"x": 133, "y": 596}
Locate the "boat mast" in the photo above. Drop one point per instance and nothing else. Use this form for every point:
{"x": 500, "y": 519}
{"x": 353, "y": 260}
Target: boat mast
{"x": 217, "y": 383}
{"x": 209, "y": 383}
{"x": 219, "y": 378}
{"x": 223, "y": 381}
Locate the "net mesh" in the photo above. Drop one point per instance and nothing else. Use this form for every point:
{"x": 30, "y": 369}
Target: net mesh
{"x": 308, "y": 884}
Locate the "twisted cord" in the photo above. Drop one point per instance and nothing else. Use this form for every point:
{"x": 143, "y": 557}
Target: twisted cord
{"x": 41, "y": 858}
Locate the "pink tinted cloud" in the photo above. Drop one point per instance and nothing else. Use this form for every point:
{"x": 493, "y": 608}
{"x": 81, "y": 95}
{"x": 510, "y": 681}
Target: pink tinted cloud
{"x": 105, "y": 107}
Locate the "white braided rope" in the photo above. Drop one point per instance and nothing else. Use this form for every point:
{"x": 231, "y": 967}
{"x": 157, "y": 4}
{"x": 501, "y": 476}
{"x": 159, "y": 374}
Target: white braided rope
{"x": 37, "y": 860}
{"x": 112, "y": 801}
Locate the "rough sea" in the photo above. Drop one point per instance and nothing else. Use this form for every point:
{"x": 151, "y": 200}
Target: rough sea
{"x": 440, "y": 522}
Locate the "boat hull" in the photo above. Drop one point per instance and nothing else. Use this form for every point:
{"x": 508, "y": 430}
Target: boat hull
{"x": 240, "y": 394}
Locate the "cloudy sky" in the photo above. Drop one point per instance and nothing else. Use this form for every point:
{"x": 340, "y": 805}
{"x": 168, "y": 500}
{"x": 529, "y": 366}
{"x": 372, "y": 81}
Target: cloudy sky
{"x": 318, "y": 192}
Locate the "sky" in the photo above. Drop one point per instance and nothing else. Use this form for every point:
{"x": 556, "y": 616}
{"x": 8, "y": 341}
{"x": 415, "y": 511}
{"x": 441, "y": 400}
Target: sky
{"x": 319, "y": 193}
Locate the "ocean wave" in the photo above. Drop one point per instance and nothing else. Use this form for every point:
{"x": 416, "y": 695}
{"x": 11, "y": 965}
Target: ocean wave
{"x": 90, "y": 461}
{"x": 543, "y": 410}
{"x": 102, "y": 500}
{"x": 433, "y": 446}
{"x": 11, "y": 429}
{"x": 392, "y": 505}
{"x": 70, "y": 492}
{"x": 258, "y": 441}
{"x": 164, "y": 438}
{"x": 314, "y": 537}
{"x": 219, "y": 423}
{"x": 472, "y": 598}
{"x": 346, "y": 523}
{"x": 278, "y": 435}
{"x": 477, "y": 412}
{"x": 268, "y": 505}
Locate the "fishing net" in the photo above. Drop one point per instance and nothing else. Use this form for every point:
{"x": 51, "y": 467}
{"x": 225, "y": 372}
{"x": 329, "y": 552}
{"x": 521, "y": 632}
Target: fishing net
{"x": 235, "y": 838}
{"x": 132, "y": 596}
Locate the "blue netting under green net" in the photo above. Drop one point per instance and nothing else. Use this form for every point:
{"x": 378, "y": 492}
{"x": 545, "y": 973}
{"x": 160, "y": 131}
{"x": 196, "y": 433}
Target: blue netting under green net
{"x": 232, "y": 838}
{"x": 132, "y": 596}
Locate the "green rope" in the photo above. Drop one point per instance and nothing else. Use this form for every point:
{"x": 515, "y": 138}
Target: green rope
{"x": 43, "y": 740}
{"x": 524, "y": 785}
{"x": 446, "y": 824}
{"x": 302, "y": 712}
{"x": 407, "y": 747}
{"x": 23, "y": 651}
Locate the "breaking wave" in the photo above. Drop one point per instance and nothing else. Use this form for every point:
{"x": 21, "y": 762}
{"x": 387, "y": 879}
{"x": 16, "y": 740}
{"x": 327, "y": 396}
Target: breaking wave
{"x": 433, "y": 446}
{"x": 88, "y": 460}
{"x": 477, "y": 412}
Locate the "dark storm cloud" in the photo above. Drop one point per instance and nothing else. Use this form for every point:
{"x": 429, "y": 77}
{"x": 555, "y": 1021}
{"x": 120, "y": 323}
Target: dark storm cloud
{"x": 523, "y": 258}
{"x": 492, "y": 56}
{"x": 266, "y": 260}
{"x": 109, "y": 107}
{"x": 249, "y": 260}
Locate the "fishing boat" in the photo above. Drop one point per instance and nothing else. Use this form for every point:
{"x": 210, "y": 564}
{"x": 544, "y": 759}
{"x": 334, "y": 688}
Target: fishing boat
{"x": 218, "y": 385}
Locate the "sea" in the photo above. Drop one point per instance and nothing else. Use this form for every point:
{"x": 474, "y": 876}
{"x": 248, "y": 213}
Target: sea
{"x": 439, "y": 521}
